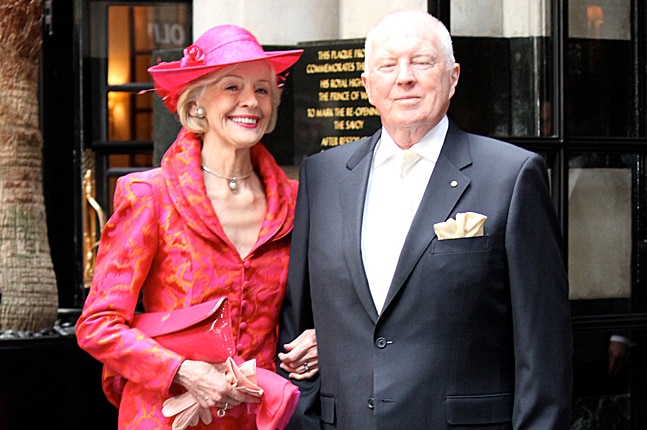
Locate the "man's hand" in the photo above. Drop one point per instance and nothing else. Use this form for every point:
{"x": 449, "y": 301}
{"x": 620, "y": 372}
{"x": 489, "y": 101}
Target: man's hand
{"x": 302, "y": 359}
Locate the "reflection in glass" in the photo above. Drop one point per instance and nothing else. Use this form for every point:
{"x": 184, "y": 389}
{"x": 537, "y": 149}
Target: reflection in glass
{"x": 134, "y": 32}
{"x": 599, "y": 75}
{"x": 506, "y": 57}
{"x": 599, "y": 226}
{"x": 602, "y": 374}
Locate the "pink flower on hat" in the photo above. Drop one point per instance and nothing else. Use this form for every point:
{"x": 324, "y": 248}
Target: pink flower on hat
{"x": 193, "y": 56}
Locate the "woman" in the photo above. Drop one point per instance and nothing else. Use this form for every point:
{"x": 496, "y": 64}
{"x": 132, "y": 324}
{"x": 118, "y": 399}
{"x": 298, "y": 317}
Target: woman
{"x": 213, "y": 221}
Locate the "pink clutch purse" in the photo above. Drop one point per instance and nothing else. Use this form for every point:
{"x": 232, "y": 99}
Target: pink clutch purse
{"x": 279, "y": 399}
{"x": 200, "y": 332}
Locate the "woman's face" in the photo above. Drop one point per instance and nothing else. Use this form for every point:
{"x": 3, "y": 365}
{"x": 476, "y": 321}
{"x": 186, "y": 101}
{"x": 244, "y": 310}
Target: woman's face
{"x": 239, "y": 104}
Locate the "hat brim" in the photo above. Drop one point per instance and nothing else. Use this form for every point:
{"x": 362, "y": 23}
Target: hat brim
{"x": 170, "y": 78}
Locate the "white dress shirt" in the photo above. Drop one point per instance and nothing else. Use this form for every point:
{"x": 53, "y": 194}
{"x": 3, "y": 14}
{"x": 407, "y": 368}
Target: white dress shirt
{"x": 391, "y": 203}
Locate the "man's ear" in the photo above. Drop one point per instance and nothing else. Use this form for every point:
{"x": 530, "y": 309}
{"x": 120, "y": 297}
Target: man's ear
{"x": 365, "y": 81}
{"x": 454, "y": 75}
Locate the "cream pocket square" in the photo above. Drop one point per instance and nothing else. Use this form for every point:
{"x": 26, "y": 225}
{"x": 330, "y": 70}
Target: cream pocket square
{"x": 468, "y": 224}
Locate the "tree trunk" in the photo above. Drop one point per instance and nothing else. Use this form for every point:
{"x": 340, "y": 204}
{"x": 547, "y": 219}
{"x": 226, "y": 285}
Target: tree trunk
{"x": 29, "y": 297}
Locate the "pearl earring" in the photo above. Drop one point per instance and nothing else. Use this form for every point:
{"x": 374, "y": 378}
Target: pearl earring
{"x": 200, "y": 112}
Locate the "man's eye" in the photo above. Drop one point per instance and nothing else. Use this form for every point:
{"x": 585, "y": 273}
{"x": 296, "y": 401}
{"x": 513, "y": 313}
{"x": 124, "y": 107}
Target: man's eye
{"x": 386, "y": 66}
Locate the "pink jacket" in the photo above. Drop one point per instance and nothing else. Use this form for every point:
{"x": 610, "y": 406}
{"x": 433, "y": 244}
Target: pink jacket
{"x": 165, "y": 241}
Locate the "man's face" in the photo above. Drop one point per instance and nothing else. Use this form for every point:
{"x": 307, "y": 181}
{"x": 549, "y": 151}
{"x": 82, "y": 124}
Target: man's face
{"x": 409, "y": 81}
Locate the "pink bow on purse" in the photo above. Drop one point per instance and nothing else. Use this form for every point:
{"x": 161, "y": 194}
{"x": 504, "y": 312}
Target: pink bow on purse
{"x": 279, "y": 398}
{"x": 186, "y": 408}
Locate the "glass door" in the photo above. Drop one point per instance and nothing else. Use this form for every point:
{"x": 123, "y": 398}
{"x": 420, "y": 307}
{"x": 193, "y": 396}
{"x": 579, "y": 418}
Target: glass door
{"x": 119, "y": 42}
{"x": 566, "y": 79}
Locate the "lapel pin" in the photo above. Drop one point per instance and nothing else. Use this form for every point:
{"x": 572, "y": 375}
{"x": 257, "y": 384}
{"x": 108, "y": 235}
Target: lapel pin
{"x": 453, "y": 184}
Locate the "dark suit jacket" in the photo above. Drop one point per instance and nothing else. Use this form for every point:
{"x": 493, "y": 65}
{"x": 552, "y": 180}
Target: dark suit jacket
{"x": 475, "y": 332}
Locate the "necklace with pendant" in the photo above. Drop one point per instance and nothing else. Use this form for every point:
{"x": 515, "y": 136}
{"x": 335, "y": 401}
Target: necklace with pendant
{"x": 233, "y": 180}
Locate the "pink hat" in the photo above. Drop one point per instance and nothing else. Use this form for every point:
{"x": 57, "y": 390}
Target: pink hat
{"x": 219, "y": 46}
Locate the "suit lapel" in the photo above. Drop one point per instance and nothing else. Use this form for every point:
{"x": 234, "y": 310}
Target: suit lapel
{"x": 353, "y": 194}
{"x": 446, "y": 185}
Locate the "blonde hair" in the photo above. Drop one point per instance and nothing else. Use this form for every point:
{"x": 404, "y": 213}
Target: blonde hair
{"x": 196, "y": 89}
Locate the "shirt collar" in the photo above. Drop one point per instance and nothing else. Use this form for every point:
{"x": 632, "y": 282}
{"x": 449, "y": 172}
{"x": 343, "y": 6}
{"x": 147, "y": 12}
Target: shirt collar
{"x": 428, "y": 147}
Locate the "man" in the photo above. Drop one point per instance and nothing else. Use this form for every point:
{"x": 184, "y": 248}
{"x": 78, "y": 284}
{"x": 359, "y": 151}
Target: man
{"x": 438, "y": 293}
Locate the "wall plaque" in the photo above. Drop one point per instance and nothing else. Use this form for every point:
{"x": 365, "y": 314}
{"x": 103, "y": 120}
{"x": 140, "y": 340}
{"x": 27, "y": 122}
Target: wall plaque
{"x": 331, "y": 106}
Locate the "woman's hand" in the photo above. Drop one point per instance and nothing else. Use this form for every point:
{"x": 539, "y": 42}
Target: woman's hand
{"x": 210, "y": 385}
{"x": 302, "y": 359}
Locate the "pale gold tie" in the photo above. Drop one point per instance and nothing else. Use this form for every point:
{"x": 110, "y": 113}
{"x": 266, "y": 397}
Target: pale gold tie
{"x": 408, "y": 157}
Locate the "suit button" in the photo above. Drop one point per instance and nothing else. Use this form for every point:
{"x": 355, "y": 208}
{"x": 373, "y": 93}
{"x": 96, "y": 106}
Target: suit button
{"x": 371, "y": 403}
{"x": 380, "y": 342}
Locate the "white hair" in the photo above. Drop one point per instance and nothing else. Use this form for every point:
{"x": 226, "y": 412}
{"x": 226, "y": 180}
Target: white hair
{"x": 409, "y": 15}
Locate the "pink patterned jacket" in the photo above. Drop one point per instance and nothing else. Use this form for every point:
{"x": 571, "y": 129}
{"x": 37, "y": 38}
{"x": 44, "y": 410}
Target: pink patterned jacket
{"x": 165, "y": 241}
